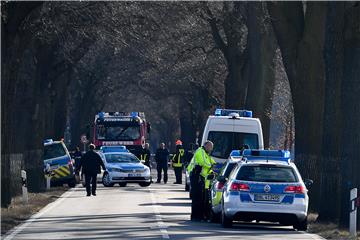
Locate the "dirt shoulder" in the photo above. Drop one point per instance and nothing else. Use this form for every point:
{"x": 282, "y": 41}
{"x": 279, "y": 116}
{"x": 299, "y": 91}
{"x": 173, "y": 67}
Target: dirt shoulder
{"x": 328, "y": 230}
{"x": 18, "y": 212}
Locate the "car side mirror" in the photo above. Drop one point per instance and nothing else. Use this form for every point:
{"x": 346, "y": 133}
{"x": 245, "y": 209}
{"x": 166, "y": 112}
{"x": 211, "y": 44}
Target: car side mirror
{"x": 222, "y": 179}
{"x": 308, "y": 183}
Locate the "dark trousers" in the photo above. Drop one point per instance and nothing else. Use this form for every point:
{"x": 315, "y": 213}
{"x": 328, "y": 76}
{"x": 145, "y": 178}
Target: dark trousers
{"x": 178, "y": 174}
{"x": 161, "y": 167}
{"x": 90, "y": 178}
{"x": 207, "y": 203}
{"x": 197, "y": 196}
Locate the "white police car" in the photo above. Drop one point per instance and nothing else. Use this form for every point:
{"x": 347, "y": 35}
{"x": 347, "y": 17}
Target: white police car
{"x": 123, "y": 167}
{"x": 266, "y": 186}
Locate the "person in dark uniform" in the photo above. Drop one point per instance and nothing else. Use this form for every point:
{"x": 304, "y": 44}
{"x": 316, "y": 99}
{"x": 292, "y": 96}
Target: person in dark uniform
{"x": 145, "y": 155}
{"x": 161, "y": 158}
{"x": 77, "y": 157}
{"x": 90, "y": 164}
{"x": 178, "y": 160}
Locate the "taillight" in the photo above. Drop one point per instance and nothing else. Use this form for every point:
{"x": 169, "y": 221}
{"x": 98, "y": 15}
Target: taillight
{"x": 239, "y": 187}
{"x": 70, "y": 162}
{"x": 219, "y": 185}
{"x": 295, "y": 189}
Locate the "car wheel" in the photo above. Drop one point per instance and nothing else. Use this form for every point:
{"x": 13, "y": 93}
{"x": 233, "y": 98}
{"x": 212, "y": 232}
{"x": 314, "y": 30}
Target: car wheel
{"x": 106, "y": 180}
{"x": 72, "y": 183}
{"x": 301, "y": 225}
{"x": 123, "y": 184}
{"x": 145, "y": 184}
{"x": 225, "y": 221}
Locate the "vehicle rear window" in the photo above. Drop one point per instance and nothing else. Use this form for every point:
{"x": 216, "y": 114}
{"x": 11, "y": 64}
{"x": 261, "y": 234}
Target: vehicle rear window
{"x": 54, "y": 151}
{"x": 228, "y": 169}
{"x": 266, "y": 173}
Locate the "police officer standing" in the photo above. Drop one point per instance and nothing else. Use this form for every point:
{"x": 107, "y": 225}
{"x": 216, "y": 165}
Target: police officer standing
{"x": 90, "y": 164}
{"x": 177, "y": 161}
{"x": 161, "y": 158}
{"x": 77, "y": 157}
{"x": 145, "y": 155}
{"x": 199, "y": 168}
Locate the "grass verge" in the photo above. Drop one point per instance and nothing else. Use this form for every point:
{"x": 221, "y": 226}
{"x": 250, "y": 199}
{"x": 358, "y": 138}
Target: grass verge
{"x": 328, "y": 230}
{"x": 18, "y": 212}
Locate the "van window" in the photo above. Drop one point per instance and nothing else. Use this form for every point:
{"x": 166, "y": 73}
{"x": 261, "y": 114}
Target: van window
{"x": 225, "y": 142}
{"x": 54, "y": 151}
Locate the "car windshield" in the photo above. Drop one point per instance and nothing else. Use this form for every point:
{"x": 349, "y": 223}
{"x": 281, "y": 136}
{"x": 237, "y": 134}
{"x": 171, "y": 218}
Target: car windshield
{"x": 121, "y": 158}
{"x": 54, "y": 151}
{"x": 116, "y": 133}
{"x": 225, "y": 142}
{"x": 267, "y": 174}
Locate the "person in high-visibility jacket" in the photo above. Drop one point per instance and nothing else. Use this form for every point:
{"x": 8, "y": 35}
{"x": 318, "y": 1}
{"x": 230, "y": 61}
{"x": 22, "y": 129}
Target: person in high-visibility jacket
{"x": 145, "y": 155}
{"x": 199, "y": 168}
{"x": 178, "y": 161}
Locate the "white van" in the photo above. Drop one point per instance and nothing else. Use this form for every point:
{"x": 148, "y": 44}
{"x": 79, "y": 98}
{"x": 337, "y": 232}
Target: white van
{"x": 232, "y": 129}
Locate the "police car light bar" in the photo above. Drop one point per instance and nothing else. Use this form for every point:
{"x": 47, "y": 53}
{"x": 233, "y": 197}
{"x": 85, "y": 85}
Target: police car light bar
{"x": 227, "y": 112}
{"x": 236, "y": 153}
{"x": 273, "y": 155}
{"x": 108, "y": 149}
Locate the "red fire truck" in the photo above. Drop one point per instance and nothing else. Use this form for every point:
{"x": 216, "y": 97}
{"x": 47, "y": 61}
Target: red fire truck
{"x": 120, "y": 128}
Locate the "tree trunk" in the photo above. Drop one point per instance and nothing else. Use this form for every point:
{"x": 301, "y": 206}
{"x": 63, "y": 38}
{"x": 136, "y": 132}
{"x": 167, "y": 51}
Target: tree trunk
{"x": 330, "y": 195}
{"x": 235, "y": 84}
{"x": 350, "y": 109}
{"x": 261, "y": 45}
{"x": 301, "y": 41}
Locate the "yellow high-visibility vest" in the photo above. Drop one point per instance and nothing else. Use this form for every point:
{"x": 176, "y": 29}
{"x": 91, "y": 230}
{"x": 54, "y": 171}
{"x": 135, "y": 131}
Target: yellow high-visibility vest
{"x": 178, "y": 155}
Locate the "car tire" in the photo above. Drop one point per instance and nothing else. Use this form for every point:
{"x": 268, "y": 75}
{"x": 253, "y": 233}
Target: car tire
{"x": 145, "y": 184}
{"x": 72, "y": 183}
{"x": 106, "y": 180}
{"x": 123, "y": 184}
{"x": 301, "y": 225}
{"x": 226, "y": 222}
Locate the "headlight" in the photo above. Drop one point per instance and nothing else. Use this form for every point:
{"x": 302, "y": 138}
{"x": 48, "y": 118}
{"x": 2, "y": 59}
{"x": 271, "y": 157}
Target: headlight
{"x": 147, "y": 170}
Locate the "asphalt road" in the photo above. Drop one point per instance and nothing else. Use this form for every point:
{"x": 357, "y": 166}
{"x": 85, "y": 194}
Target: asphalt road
{"x": 156, "y": 212}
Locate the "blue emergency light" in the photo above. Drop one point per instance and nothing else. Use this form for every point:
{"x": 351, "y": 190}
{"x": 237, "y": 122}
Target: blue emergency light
{"x": 101, "y": 115}
{"x": 134, "y": 114}
{"x": 273, "y": 155}
{"x": 227, "y": 112}
{"x": 108, "y": 149}
{"x": 235, "y": 153}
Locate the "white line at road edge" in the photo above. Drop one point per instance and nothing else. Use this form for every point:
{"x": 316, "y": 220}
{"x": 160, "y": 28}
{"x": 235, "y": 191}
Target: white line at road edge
{"x": 159, "y": 220}
{"x": 44, "y": 210}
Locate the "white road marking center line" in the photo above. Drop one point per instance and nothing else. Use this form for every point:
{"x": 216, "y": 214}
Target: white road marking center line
{"x": 161, "y": 225}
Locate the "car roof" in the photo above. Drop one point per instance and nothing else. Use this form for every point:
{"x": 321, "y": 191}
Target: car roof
{"x": 234, "y": 159}
{"x": 123, "y": 153}
{"x": 266, "y": 162}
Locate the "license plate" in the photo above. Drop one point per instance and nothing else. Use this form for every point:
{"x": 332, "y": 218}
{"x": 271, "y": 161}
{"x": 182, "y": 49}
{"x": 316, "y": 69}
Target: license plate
{"x": 267, "y": 197}
{"x": 134, "y": 174}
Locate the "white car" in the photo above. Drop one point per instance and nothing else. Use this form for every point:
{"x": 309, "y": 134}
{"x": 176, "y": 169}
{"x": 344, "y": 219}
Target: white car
{"x": 266, "y": 186}
{"x": 122, "y": 168}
